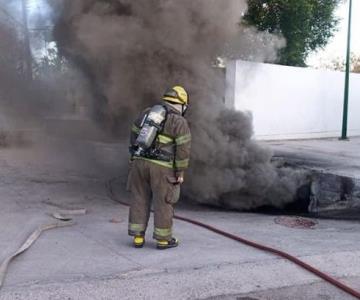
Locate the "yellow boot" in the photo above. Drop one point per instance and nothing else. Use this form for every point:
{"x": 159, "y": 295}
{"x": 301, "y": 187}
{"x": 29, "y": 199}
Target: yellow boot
{"x": 165, "y": 244}
{"x": 139, "y": 241}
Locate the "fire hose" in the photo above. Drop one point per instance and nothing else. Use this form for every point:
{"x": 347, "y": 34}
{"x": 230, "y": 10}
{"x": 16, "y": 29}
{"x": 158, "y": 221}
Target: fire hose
{"x": 61, "y": 215}
{"x": 28, "y": 243}
{"x": 333, "y": 281}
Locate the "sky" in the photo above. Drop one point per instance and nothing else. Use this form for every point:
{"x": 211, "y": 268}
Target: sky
{"x": 35, "y": 5}
{"x": 40, "y": 9}
{"x": 337, "y": 45}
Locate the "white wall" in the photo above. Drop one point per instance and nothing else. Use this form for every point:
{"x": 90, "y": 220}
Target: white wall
{"x": 291, "y": 103}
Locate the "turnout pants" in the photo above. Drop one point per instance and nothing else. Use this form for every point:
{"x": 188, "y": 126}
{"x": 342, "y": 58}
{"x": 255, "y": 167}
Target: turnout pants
{"x": 151, "y": 184}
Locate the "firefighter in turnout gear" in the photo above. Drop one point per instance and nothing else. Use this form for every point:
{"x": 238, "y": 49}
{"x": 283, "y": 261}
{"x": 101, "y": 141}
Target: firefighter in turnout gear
{"x": 160, "y": 151}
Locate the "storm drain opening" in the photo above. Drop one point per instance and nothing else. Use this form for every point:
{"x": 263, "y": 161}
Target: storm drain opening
{"x": 323, "y": 195}
{"x": 326, "y": 195}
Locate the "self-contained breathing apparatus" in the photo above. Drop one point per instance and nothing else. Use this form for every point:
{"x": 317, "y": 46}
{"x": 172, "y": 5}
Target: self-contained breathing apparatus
{"x": 151, "y": 125}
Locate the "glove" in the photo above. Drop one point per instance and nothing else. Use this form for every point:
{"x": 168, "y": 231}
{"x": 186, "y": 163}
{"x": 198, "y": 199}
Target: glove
{"x": 180, "y": 179}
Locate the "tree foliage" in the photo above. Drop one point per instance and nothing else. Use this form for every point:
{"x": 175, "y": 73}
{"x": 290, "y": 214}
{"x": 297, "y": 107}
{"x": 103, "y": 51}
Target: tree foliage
{"x": 338, "y": 64}
{"x": 306, "y": 24}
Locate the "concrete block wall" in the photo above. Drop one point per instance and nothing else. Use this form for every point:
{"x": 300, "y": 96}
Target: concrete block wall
{"x": 292, "y": 103}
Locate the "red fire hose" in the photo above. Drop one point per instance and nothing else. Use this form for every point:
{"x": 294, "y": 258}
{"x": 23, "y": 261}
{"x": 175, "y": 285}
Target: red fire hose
{"x": 277, "y": 252}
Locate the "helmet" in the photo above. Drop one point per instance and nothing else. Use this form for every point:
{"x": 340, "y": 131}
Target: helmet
{"x": 177, "y": 95}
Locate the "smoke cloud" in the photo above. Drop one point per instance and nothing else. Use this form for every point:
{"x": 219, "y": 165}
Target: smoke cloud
{"x": 21, "y": 102}
{"x": 131, "y": 51}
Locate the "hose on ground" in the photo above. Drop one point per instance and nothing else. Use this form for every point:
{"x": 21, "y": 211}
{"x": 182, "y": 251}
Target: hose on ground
{"x": 25, "y": 246}
{"x": 333, "y": 281}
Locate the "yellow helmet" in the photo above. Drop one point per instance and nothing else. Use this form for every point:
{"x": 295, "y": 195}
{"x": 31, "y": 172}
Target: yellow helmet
{"x": 177, "y": 94}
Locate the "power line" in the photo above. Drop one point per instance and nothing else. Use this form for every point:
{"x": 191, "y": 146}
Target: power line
{"x": 12, "y": 18}
{"x": 44, "y": 28}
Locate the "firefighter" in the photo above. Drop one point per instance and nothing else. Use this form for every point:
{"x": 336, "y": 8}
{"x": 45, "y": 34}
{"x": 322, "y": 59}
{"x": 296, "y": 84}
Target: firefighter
{"x": 160, "y": 151}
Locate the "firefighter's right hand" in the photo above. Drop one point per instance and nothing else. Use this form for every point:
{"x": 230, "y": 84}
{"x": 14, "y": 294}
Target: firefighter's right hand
{"x": 180, "y": 179}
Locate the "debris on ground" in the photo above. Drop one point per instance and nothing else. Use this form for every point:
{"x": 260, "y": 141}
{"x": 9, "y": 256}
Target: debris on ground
{"x": 296, "y": 222}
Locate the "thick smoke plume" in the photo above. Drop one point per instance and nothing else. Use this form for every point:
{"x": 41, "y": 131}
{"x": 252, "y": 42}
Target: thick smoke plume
{"x": 21, "y": 101}
{"x": 132, "y": 50}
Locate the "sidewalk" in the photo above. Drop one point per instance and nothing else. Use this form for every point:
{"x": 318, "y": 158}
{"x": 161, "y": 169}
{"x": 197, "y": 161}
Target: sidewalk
{"x": 94, "y": 258}
{"x": 327, "y": 155}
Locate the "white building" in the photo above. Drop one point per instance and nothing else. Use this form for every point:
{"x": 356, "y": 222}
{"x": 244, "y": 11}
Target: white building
{"x": 292, "y": 103}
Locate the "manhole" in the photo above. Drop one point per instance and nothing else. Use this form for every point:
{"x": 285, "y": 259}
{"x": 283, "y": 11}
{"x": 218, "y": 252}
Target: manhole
{"x": 296, "y": 222}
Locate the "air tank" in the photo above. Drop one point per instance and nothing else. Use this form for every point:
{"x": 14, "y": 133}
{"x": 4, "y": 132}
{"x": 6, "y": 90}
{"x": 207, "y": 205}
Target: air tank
{"x": 151, "y": 125}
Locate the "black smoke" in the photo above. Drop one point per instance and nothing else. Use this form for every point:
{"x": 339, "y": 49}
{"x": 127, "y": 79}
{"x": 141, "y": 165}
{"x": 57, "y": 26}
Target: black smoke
{"x": 131, "y": 50}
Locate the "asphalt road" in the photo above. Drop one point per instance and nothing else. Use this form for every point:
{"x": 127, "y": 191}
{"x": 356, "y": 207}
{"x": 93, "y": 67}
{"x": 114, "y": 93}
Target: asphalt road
{"x": 94, "y": 258}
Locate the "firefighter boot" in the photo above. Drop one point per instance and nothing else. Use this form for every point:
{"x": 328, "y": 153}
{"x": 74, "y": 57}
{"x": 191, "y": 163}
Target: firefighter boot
{"x": 139, "y": 241}
{"x": 164, "y": 244}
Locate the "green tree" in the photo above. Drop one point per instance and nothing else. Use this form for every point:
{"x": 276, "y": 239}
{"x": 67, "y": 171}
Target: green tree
{"x": 338, "y": 64}
{"x": 306, "y": 24}
{"x": 356, "y": 67}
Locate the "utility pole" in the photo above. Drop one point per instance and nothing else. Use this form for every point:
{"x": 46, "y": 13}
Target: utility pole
{"x": 347, "y": 79}
{"x": 27, "y": 48}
